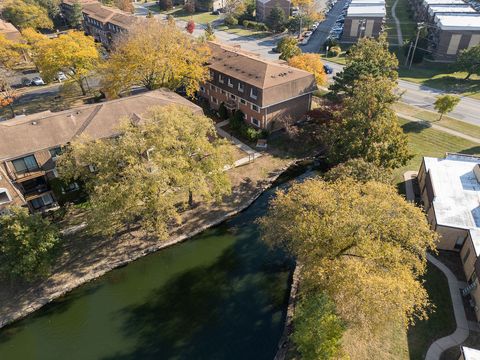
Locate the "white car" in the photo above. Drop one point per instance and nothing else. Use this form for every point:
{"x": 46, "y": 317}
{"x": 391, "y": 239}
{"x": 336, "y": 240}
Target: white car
{"x": 307, "y": 34}
{"x": 61, "y": 76}
{"x": 37, "y": 80}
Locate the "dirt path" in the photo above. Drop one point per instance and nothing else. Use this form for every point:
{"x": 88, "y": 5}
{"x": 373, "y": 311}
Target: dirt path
{"x": 85, "y": 258}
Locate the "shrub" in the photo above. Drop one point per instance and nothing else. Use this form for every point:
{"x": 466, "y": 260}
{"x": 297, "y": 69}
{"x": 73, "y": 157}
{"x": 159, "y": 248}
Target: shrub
{"x": 330, "y": 43}
{"x": 222, "y": 111}
{"x": 165, "y": 4}
{"x": 252, "y": 134}
{"x": 189, "y": 7}
{"x": 334, "y": 51}
{"x": 230, "y": 20}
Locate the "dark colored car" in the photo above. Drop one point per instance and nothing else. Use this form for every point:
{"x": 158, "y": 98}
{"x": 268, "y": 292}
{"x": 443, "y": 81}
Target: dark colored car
{"x": 328, "y": 69}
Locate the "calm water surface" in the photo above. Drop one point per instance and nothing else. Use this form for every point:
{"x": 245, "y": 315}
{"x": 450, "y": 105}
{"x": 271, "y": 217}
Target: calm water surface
{"x": 221, "y": 295}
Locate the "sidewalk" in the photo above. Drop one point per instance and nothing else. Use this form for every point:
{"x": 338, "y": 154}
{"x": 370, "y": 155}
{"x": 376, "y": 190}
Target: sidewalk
{"x": 440, "y": 128}
{"x": 461, "y": 333}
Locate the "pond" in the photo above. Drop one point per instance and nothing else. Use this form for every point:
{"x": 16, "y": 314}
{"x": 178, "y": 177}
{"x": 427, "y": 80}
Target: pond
{"x": 220, "y": 295}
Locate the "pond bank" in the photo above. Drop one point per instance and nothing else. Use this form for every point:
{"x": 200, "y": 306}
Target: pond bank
{"x": 83, "y": 262}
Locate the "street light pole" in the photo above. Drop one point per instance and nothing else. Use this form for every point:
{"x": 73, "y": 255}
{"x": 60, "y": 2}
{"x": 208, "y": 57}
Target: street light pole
{"x": 420, "y": 27}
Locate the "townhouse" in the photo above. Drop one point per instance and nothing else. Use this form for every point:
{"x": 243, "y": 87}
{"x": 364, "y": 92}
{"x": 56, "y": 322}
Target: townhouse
{"x": 30, "y": 145}
{"x": 264, "y": 7}
{"x": 420, "y": 7}
{"x": 450, "y": 191}
{"x": 103, "y": 23}
{"x": 365, "y": 18}
{"x": 265, "y": 91}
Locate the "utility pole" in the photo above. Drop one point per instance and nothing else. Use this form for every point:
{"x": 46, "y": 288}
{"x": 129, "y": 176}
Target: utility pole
{"x": 408, "y": 54}
{"x": 420, "y": 27}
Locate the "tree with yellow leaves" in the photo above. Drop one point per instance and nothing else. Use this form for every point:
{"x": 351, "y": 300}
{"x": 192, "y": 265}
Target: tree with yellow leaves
{"x": 361, "y": 244}
{"x": 7, "y": 93}
{"x": 311, "y": 63}
{"x": 11, "y": 52}
{"x": 25, "y": 14}
{"x": 155, "y": 55}
{"x": 73, "y": 53}
{"x": 144, "y": 175}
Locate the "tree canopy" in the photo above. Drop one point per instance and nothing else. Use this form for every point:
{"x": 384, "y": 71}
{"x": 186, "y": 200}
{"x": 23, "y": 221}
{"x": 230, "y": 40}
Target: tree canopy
{"x": 25, "y": 14}
{"x": 276, "y": 19}
{"x": 73, "y": 53}
{"x": 27, "y": 245}
{"x": 153, "y": 167}
{"x": 361, "y": 244}
{"x": 156, "y": 55}
{"x": 288, "y": 47}
{"x": 311, "y": 63}
{"x": 11, "y": 52}
{"x": 75, "y": 17}
{"x": 369, "y": 57}
{"x": 367, "y": 127}
{"x": 469, "y": 61}
{"x": 358, "y": 170}
{"x": 445, "y": 104}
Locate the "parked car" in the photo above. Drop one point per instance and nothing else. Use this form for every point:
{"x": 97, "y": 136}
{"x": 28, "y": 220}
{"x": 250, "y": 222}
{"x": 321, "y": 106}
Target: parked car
{"x": 307, "y": 34}
{"x": 215, "y": 12}
{"x": 328, "y": 69}
{"x": 26, "y": 82}
{"x": 38, "y": 81}
{"x": 61, "y": 76}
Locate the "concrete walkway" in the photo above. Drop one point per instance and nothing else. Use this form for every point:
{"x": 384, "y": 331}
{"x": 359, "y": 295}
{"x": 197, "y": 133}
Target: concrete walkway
{"x": 440, "y": 128}
{"x": 252, "y": 154}
{"x": 397, "y": 24}
{"x": 462, "y": 331}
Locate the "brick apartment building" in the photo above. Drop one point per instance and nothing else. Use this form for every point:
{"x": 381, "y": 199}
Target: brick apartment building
{"x": 31, "y": 143}
{"x": 265, "y": 91}
{"x": 104, "y": 23}
{"x": 420, "y": 7}
{"x": 264, "y": 7}
{"x": 450, "y": 191}
{"x": 365, "y": 18}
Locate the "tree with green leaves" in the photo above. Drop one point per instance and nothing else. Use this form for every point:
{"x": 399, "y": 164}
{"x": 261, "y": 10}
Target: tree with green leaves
{"x": 156, "y": 55}
{"x": 367, "y": 127}
{"x": 293, "y": 24}
{"x": 445, "y": 104}
{"x": 358, "y": 170}
{"x": 209, "y": 32}
{"x": 27, "y": 245}
{"x": 469, "y": 61}
{"x": 152, "y": 169}
{"x": 288, "y": 48}
{"x": 368, "y": 57}
{"x": 276, "y": 19}
{"x": 318, "y": 330}
{"x": 360, "y": 244}
{"x": 52, "y": 7}
{"x": 26, "y": 14}
{"x": 75, "y": 17}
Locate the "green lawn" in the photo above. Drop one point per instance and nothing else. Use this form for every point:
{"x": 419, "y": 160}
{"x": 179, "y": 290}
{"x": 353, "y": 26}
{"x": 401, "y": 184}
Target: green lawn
{"x": 199, "y": 18}
{"x": 407, "y": 24}
{"x": 241, "y": 31}
{"x": 440, "y": 323}
{"x": 447, "y": 122}
{"x": 425, "y": 141}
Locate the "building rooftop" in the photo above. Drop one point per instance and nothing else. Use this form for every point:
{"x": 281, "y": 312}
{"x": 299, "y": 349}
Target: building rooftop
{"x": 106, "y": 14}
{"x": 458, "y": 21}
{"x": 367, "y": 2}
{"x": 27, "y": 134}
{"x": 446, "y": 9}
{"x": 9, "y": 31}
{"x": 470, "y": 354}
{"x": 366, "y": 10}
{"x": 456, "y": 192}
{"x": 443, "y": 2}
{"x": 250, "y": 68}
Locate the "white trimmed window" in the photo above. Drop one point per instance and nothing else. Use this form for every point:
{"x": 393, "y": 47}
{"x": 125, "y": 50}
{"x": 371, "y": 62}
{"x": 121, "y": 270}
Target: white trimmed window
{"x": 202, "y": 88}
{"x": 230, "y": 83}
{"x": 253, "y": 93}
{"x": 233, "y": 97}
{"x": 220, "y": 79}
{"x": 255, "y": 122}
{"x": 4, "y": 196}
{"x": 240, "y": 87}
{"x": 243, "y": 102}
{"x": 255, "y": 108}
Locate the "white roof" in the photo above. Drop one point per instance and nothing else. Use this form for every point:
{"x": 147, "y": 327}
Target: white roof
{"x": 432, "y": 9}
{"x": 367, "y": 11}
{"x": 456, "y": 200}
{"x": 470, "y": 354}
{"x": 443, "y": 2}
{"x": 458, "y": 21}
{"x": 367, "y": 2}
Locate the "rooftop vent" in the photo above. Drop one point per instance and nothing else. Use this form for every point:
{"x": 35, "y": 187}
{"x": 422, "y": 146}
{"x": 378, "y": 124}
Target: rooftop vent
{"x": 476, "y": 171}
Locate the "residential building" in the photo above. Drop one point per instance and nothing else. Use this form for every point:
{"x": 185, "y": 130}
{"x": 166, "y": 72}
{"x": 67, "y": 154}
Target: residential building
{"x": 434, "y": 10}
{"x": 66, "y": 6}
{"x": 450, "y": 191}
{"x": 452, "y": 33}
{"x": 30, "y": 144}
{"x": 264, "y": 7}
{"x": 9, "y": 31}
{"x": 420, "y": 7}
{"x": 363, "y": 20}
{"x": 265, "y": 91}
{"x": 469, "y": 353}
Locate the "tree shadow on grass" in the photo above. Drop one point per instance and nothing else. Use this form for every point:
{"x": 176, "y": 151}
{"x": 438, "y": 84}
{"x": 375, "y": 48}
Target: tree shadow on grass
{"x": 232, "y": 309}
{"x": 475, "y": 150}
{"x": 454, "y": 84}
{"x": 415, "y": 127}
